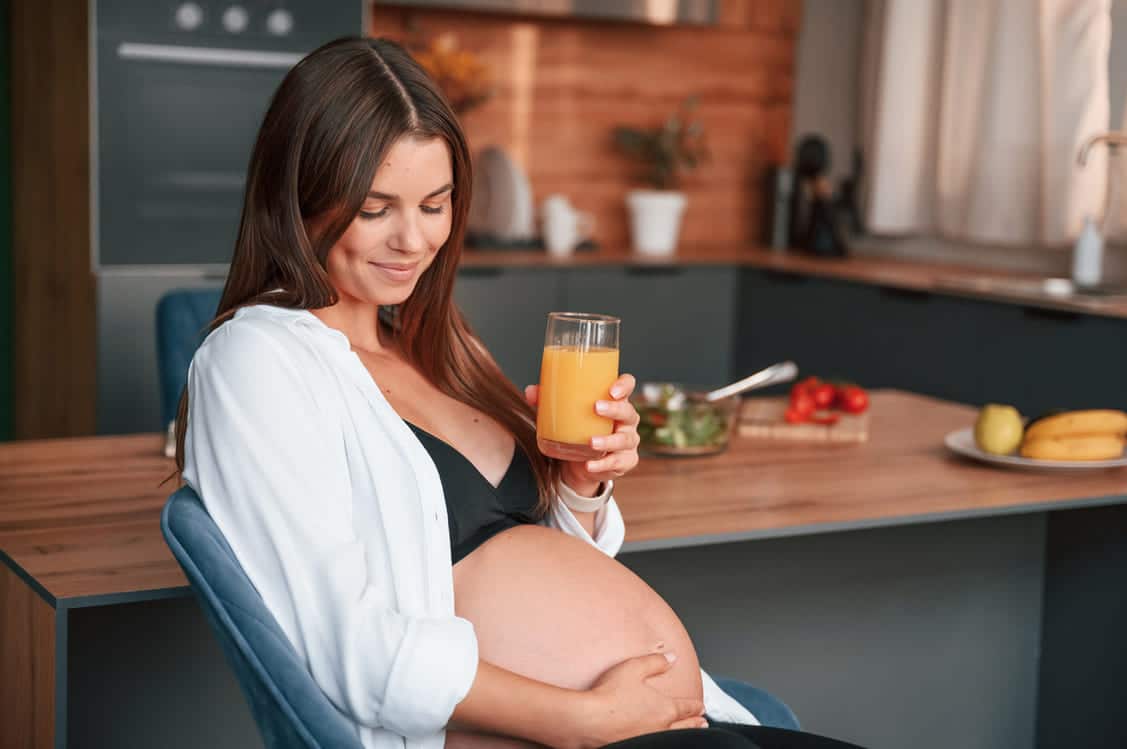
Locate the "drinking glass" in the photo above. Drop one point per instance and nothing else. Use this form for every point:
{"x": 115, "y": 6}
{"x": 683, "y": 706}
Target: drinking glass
{"x": 579, "y": 365}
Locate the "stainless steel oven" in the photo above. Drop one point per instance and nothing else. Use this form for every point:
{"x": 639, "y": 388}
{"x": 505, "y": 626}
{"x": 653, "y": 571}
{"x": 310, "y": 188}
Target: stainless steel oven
{"x": 181, "y": 88}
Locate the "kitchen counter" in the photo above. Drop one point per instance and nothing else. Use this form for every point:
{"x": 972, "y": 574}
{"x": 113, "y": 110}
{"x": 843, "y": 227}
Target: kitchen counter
{"x": 79, "y": 518}
{"x": 87, "y": 575}
{"x": 902, "y": 475}
{"x": 915, "y": 275}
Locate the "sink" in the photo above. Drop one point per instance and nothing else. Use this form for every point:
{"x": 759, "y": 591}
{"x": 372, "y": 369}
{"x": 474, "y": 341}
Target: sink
{"x": 1040, "y": 288}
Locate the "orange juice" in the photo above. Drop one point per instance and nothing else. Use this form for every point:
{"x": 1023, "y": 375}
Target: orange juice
{"x": 571, "y": 380}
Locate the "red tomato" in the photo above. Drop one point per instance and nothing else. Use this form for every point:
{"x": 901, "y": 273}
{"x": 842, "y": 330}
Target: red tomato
{"x": 823, "y": 394}
{"x": 802, "y": 403}
{"x": 793, "y": 417}
{"x": 853, "y": 400}
{"x": 808, "y": 384}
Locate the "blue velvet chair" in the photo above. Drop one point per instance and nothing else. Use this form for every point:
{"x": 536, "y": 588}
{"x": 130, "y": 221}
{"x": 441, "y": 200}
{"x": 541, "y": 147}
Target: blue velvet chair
{"x": 290, "y": 709}
{"x": 182, "y": 316}
{"x": 769, "y": 709}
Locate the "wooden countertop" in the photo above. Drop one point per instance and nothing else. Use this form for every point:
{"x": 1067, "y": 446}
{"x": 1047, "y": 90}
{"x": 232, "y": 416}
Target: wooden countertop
{"x": 941, "y": 278}
{"x": 79, "y": 518}
{"x": 902, "y": 475}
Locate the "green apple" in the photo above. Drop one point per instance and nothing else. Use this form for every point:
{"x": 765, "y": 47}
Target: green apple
{"x": 998, "y": 429}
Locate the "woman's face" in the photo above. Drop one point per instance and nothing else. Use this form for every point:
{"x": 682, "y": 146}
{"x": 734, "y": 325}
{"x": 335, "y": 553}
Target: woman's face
{"x": 400, "y": 227}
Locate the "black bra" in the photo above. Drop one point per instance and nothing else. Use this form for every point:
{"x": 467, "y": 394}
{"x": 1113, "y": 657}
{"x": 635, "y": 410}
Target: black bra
{"x": 476, "y": 510}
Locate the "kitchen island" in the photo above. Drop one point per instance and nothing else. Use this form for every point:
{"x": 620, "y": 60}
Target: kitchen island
{"x": 892, "y": 594}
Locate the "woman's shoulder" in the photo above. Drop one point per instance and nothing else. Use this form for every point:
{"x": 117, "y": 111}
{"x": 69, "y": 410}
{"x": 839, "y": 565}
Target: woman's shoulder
{"x": 259, "y": 340}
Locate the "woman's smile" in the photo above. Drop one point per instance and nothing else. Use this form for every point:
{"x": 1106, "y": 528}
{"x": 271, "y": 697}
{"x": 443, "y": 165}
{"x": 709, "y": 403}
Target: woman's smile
{"x": 396, "y": 272}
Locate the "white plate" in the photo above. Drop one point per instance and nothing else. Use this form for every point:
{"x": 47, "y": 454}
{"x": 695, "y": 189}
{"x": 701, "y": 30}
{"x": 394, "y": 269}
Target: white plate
{"x": 961, "y": 441}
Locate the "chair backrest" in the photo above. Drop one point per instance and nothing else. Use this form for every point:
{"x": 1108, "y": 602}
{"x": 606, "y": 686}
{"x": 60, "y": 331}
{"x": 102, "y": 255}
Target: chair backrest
{"x": 182, "y": 316}
{"x": 290, "y": 709}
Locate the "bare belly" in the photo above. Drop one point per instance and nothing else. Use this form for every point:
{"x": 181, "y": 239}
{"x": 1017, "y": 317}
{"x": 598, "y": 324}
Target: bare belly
{"x": 553, "y": 608}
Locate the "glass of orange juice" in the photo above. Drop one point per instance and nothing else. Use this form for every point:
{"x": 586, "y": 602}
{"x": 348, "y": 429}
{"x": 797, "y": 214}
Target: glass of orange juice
{"x": 580, "y": 364}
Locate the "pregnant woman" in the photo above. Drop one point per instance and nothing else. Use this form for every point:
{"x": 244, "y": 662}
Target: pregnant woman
{"x": 378, "y": 477}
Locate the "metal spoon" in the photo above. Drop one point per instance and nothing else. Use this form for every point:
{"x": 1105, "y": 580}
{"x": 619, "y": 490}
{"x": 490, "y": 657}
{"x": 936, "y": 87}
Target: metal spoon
{"x": 773, "y": 375}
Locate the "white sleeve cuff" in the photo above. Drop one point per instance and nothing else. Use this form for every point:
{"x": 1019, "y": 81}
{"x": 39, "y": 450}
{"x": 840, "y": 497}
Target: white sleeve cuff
{"x": 610, "y": 531}
{"x": 435, "y": 668}
{"x": 578, "y": 503}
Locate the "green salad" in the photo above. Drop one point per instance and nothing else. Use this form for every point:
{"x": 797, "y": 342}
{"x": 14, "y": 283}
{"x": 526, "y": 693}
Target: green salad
{"x": 670, "y": 419}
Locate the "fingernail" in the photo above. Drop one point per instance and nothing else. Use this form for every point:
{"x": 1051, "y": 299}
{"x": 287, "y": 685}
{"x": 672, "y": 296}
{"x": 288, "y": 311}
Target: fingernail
{"x": 671, "y": 657}
{"x": 598, "y": 442}
{"x": 703, "y": 723}
{"x": 602, "y": 407}
{"x": 616, "y": 392}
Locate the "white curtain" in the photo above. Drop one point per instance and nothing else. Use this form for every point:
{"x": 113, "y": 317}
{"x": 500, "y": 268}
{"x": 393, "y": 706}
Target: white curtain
{"x": 973, "y": 112}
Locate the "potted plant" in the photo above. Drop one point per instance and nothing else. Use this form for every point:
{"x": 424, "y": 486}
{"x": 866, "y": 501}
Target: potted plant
{"x": 665, "y": 152}
{"x": 462, "y": 76}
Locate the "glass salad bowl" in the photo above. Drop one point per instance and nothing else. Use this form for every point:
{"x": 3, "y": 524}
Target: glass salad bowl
{"x": 677, "y": 420}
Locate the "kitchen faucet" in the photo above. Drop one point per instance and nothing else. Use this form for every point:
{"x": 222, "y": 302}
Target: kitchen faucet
{"x": 1087, "y": 254}
{"x": 1112, "y": 138}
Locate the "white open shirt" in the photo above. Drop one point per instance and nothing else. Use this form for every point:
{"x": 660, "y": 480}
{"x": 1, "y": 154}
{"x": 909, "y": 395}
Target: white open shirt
{"x": 335, "y": 511}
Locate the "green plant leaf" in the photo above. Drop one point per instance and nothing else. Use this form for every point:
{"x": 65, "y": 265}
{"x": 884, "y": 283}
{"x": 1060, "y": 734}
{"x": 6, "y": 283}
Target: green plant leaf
{"x": 665, "y": 151}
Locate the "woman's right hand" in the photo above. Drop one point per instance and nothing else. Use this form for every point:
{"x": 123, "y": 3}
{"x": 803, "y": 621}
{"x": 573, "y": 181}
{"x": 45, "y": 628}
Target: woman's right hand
{"x": 621, "y": 704}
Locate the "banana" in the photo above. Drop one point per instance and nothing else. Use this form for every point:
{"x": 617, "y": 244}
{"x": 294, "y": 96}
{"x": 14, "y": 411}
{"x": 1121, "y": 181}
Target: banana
{"x": 1074, "y": 423}
{"x": 1081, "y": 447}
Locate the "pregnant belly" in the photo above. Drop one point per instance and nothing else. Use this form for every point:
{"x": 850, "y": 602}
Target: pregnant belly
{"x": 553, "y": 608}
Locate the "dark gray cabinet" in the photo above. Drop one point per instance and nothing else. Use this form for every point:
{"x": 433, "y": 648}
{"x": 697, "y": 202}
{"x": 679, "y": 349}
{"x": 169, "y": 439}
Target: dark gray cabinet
{"x": 968, "y": 350}
{"x": 1040, "y": 359}
{"x": 871, "y": 335}
{"x": 677, "y": 321}
{"x": 508, "y": 309}
{"x": 708, "y": 325}
{"x": 819, "y": 326}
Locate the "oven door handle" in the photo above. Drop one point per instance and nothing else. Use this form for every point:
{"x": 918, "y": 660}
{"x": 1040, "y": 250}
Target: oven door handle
{"x": 239, "y": 58}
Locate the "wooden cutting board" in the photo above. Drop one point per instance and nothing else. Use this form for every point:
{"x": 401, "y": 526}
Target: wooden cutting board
{"x": 762, "y": 418}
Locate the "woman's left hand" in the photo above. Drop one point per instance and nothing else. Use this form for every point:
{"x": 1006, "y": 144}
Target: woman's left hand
{"x": 620, "y": 447}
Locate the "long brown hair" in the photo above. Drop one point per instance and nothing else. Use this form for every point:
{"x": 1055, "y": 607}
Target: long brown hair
{"x": 331, "y": 121}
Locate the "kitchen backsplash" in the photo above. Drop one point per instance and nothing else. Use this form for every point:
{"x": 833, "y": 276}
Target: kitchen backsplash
{"x": 562, "y": 85}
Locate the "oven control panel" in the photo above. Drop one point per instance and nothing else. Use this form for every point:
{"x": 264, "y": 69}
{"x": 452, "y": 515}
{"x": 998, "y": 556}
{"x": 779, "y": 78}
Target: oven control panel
{"x": 234, "y": 18}
{"x": 230, "y": 23}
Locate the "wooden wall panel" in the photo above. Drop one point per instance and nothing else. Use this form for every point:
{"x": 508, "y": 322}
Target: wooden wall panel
{"x": 27, "y": 666}
{"x": 53, "y": 301}
{"x": 562, "y": 85}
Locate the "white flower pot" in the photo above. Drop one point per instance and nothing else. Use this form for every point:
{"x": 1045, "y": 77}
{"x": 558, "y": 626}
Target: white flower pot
{"x": 655, "y": 220}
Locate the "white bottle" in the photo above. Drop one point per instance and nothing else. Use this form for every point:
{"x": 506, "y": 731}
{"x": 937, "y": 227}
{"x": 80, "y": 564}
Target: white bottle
{"x": 1088, "y": 255}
